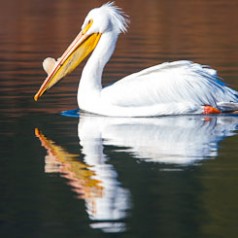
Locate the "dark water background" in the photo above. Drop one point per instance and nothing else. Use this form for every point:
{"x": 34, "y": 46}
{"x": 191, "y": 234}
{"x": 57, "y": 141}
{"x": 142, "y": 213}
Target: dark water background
{"x": 100, "y": 177}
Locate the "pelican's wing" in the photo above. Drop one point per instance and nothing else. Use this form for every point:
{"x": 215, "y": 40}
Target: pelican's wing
{"x": 179, "y": 81}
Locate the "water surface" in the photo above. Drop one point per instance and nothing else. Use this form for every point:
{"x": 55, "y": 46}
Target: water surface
{"x": 91, "y": 176}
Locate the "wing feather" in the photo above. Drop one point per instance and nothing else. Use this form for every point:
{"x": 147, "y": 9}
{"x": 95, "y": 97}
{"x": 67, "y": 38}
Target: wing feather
{"x": 175, "y": 82}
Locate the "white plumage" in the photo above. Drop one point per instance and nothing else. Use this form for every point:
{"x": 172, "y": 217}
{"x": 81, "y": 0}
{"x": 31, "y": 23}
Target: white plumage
{"x": 180, "y": 87}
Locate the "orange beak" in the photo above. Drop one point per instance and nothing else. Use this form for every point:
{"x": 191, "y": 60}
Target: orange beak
{"x": 78, "y": 50}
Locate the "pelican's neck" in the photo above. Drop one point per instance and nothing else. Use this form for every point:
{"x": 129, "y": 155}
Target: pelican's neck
{"x": 92, "y": 73}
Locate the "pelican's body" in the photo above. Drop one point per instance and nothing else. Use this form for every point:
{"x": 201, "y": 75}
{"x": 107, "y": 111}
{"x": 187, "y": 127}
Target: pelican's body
{"x": 180, "y": 87}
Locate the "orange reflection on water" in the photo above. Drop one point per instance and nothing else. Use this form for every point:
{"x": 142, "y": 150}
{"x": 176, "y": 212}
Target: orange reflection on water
{"x": 106, "y": 202}
{"x": 79, "y": 175}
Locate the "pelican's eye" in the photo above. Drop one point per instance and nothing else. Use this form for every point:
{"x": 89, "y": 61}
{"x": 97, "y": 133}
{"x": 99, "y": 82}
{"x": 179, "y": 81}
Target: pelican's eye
{"x": 87, "y": 27}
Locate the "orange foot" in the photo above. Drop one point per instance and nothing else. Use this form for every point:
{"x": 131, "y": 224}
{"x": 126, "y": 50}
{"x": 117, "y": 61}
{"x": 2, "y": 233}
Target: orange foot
{"x": 210, "y": 110}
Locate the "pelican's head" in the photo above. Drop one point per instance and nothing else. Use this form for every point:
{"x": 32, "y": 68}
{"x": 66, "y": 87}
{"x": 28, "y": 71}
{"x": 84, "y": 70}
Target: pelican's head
{"x": 107, "y": 18}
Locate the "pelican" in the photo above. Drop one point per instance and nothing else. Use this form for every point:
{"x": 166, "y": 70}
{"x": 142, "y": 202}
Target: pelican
{"x": 170, "y": 88}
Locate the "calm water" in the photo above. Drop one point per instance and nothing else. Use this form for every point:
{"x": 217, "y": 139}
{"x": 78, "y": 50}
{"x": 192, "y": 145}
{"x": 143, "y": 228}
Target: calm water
{"x": 63, "y": 176}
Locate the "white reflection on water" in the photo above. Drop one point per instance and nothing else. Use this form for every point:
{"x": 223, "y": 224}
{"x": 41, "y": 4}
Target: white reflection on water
{"x": 171, "y": 140}
{"x": 177, "y": 140}
{"x": 112, "y": 206}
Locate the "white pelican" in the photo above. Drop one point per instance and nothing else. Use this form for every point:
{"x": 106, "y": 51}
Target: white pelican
{"x": 180, "y": 87}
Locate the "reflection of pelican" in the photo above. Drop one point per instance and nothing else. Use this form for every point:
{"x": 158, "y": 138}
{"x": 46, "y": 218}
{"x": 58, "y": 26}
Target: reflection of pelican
{"x": 94, "y": 181}
{"x": 179, "y": 140}
{"x": 181, "y": 87}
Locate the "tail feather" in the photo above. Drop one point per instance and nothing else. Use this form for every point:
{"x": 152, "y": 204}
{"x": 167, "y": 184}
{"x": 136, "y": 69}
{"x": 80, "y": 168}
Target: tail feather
{"x": 228, "y": 106}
